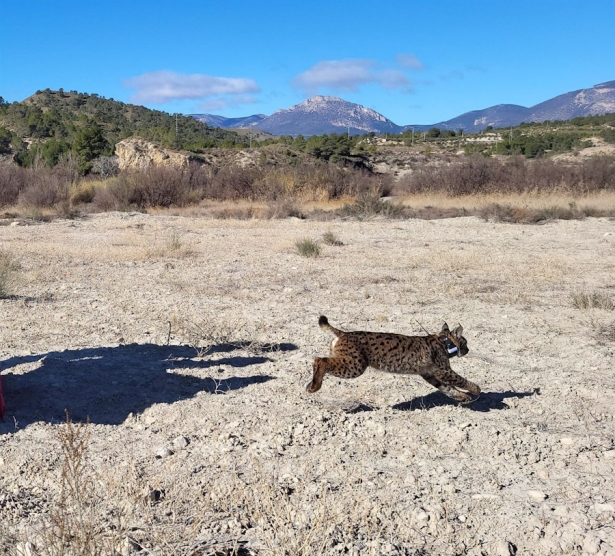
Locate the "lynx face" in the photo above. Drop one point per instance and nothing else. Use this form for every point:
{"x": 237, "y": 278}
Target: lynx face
{"x": 427, "y": 356}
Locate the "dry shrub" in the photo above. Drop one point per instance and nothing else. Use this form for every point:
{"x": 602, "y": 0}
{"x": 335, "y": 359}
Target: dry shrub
{"x": 89, "y": 515}
{"x": 238, "y": 213}
{"x": 283, "y": 208}
{"x": 481, "y": 175}
{"x": 39, "y": 186}
{"x": 208, "y": 332}
{"x": 371, "y": 204}
{"x": 13, "y": 180}
{"x": 231, "y": 183}
{"x": 83, "y": 192}
{"x": 161, "y": 186}
{"x": 45, "y": 189}
{"x": 104, "y": 200}
{"x": 507, "y": 213}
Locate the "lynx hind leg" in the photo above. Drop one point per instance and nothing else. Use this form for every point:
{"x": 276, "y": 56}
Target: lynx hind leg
{"x": 342, "y": 367}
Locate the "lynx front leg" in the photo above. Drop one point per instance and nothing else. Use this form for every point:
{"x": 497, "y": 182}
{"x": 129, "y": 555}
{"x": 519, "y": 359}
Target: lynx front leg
{"x": 342, "y": 367}
{"x": 452, "y": 378}
{"x": 450, "y": 391}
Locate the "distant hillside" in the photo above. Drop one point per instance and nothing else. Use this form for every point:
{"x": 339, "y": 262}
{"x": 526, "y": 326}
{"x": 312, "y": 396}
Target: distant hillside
{"x": 91, "y": 125}
{"x": 596, "y": 100}
{"x": 320, "y": 115}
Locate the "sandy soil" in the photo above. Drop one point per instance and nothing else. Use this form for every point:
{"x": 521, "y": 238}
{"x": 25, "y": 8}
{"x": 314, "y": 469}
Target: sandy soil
{"x": 188, "y": 344}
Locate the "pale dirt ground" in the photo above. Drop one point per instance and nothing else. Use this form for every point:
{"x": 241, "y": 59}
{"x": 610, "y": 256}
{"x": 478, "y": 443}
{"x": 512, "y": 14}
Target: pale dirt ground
{"x": 194, "y": 452}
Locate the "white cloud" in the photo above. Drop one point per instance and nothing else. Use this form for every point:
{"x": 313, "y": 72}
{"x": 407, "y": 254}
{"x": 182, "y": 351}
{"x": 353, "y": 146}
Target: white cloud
{"x": 347, "y": 75}
{"x": 164, "y": 86}
{"x": 409, "y": 61}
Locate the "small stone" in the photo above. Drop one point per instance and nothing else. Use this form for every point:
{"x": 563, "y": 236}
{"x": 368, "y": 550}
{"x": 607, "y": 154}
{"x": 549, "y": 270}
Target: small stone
{"x": 604, "y": 508}
{"x": 537, "y": 495}
{"x": 462, "y": 518}
{"x": 163, "y": 452}
{"x": 567, "y": 441}
{"x": 608, "y": 454}
{"x": 560, "y": 511}
{"x": 422, "y": 517}
{"x": 154, "y": 496}
{"x": 180, "y": 442}
{"x": 591, "y": 544}
{"x": 504, "y": 548}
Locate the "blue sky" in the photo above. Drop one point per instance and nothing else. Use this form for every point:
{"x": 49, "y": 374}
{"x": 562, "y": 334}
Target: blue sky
{"x": 415, "y": 62}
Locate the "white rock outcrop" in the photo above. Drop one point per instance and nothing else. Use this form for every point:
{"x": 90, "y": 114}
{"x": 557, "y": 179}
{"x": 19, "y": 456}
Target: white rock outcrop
{"x": 136, "y": 153}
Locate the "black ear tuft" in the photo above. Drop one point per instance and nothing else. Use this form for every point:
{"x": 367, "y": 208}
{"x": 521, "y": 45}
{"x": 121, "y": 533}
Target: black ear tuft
{"x": 458, "y": 331}
{"x": 445, "y": 328}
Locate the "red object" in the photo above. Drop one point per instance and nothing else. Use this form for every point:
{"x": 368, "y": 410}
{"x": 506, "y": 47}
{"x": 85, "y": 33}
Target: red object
{"x": 2, "y": 406}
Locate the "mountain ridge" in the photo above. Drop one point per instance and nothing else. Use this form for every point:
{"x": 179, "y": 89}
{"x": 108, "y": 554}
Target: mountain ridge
{"x": 325, "y": 114}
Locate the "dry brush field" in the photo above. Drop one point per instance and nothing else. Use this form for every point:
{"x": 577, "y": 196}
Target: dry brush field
{"x": 188, "y": 343}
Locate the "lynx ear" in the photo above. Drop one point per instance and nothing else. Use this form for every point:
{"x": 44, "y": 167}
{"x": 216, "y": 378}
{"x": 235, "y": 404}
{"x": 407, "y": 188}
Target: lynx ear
{"x": 458, "y": 331}
{"x": 445, "y": 328}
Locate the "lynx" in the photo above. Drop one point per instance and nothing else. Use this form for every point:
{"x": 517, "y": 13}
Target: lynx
{"x": 428, "y": 356}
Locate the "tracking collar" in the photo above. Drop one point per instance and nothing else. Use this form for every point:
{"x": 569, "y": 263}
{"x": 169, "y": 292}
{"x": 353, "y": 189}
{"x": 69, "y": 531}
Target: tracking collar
{"x": 451, "y": 348}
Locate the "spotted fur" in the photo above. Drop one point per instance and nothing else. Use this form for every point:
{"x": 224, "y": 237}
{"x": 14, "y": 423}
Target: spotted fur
{"x": 352, "y": 352}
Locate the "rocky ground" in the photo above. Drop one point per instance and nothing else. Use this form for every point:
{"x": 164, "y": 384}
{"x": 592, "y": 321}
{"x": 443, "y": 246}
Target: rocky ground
{"x": 188, "y": 343}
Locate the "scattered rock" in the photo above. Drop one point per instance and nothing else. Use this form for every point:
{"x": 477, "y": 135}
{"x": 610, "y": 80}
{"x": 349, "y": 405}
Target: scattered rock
{"x": 180, "y": 442}
{"x": 163, "y": 452}
{"x": 591, "y": 544}
{"x": 537, "y": 495}
{"x": 560, "y": 511}
{"x": 504, "y": 548}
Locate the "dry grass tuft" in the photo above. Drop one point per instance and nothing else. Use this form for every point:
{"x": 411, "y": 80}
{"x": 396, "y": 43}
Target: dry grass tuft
{"x": 307, "y": 247}
{"x": 331, "y": 239}
{"x": 9, "y": 273}
{"x": 173, "y": 247}
{"x": 592, "y": 300}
